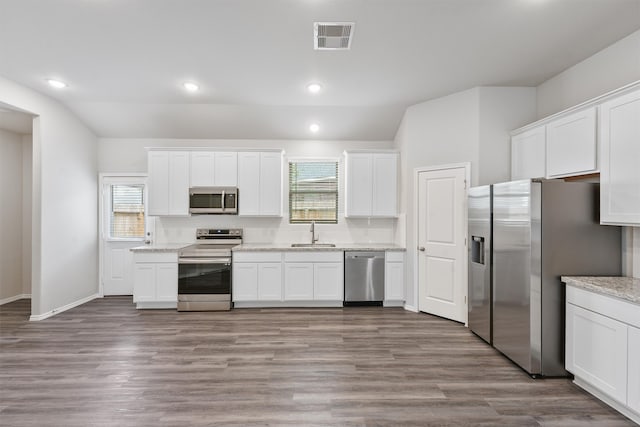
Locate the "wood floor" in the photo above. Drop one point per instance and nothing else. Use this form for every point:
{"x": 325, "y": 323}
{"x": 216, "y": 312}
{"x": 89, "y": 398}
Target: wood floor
{"x": 107, "y": 364}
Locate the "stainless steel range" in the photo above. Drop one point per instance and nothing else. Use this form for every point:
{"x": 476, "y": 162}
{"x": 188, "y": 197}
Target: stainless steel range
{"x": 204, "y": 270}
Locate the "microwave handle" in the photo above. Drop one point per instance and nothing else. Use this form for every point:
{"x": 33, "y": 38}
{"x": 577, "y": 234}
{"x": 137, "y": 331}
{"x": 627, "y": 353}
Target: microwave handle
{"x": 223, "y": 197}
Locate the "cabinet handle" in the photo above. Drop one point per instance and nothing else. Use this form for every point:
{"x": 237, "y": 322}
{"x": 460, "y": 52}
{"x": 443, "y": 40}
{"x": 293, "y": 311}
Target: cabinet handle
{"x": 421, "y": 248}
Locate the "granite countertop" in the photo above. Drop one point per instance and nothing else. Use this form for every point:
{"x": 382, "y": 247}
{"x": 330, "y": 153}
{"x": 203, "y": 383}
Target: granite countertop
{"x": 160, "y": 247}
{"x": 282, "y": 247}
{"x": 627, "y": 288}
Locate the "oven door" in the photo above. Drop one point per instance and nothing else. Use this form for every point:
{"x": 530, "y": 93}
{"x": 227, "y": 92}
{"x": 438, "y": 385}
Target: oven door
{"x": 204, "y": 276}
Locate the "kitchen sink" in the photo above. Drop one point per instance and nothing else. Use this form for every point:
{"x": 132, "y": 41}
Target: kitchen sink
{"x": 313, "y": 245}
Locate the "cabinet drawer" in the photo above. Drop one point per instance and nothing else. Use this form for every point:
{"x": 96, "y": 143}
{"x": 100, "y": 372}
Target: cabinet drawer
{"x": 257, "y": 256}
{"x": 393, "y": 256}
{"x": 614, "y": 308}
{"x": 304, "y": 256}
{"x": 156, "y": 257}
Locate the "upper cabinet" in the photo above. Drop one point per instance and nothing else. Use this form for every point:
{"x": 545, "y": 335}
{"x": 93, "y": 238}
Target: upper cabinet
{"x": 619, "y": 134}
{"x": 528, "y": 154}
{"x": 214, "y": 169}
{"x": 571, "y": 144}
{"x": 260, "y": 183}
{"x": 371, "y": 184}
{"x": 168, "y": 183}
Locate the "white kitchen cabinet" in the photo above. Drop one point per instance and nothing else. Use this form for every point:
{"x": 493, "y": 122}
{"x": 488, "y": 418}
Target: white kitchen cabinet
{"x": 155, "y": 280}
{"x": 371, "y": 184}
{"x": 168, "y": 183}
{"x": 528, "y": 154}
{"x": 328, "y": 281}
{"x": 633, "y": 385}
{"x": 603, "y": 348}
{"x": 317, "y": 276}
{"x": 572, "y": 144}
{"x": 214, "y": 169}
{"x": 619, "y": 134}
{"x": 597, "y": 351}
{"x": 245, "y": 281}
{"x": 270, "y": 281}
{"x": 298, "y": 281}
{"x": 394, "y": 277}
{"x": 257, "y": 276}
{"x": 260, "y": 183}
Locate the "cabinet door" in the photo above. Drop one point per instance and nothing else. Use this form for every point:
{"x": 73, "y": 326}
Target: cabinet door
{"x": 596, "y": 351}
{"x": 226, "y": 169}
{"x": 202, "y": 168}
{"x": 394, "y": 281}
{"x": 633, "y": 381}
{"x": 385, "y": 185}
{"x": 144, "y": 282}
{"x": 271, "y": 184}
{"x": 528, "y": 154}
{"x": 178, "y": 183}
{"x": 359, "y": 179}
{"x": 245, "y": 282}
{"x": 619, "y": 160}
{"x": 571, "y": 144}
{"x": 328, "y": 279}
{"x": 158, "y": 182}
{"x": 167, "y": 282}
{"x": 298, "y": 281}
{"x": 270, "y": 281}
{"x": 249, "y": 183}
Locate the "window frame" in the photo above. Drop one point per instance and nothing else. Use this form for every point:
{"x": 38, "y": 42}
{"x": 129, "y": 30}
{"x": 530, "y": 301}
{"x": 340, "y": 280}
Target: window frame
{"x": 337, "y": 188}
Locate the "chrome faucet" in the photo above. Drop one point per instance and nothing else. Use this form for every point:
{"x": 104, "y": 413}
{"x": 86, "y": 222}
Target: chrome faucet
{"x": 314, "y": 239}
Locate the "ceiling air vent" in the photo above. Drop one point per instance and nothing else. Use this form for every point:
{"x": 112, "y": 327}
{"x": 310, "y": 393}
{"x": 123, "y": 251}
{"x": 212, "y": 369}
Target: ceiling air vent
{"x": 332, "y": 35}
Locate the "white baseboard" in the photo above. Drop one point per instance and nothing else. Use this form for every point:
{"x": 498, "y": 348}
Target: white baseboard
{"x": 287, "y": 304}
{"x": 14, "y": 298}
{"x": 624, "y": 410}
{"x": 410, "y": 308}
{"x": 35, "y": 318}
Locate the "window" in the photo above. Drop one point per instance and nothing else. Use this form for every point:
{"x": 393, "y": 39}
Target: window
{"x": 127, "y": 212}
{"x": 313, "y": 191}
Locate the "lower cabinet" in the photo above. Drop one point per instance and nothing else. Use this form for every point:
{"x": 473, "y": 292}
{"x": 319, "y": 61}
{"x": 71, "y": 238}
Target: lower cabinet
{"x": 603, "y": 348}
{"x": 317, "y": 276}
{"x": 257, "y": 276}
{"x": 394, "y": 278}
{"x": 155, "y": 280}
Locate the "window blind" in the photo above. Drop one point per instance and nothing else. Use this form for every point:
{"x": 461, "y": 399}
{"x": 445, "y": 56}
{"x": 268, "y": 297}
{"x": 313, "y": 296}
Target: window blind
{"x": 313, "y": 192}
{"x": 127, "y": 212}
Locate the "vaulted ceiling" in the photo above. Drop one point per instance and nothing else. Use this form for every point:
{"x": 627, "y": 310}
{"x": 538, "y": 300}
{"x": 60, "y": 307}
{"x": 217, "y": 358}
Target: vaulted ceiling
{"x": 125, "y": 61}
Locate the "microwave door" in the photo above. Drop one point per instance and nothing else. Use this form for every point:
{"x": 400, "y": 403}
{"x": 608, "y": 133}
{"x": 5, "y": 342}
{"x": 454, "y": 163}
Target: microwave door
{"x": 204, "y": 203}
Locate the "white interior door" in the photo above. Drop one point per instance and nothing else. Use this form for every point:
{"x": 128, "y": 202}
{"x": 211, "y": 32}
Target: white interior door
{"x": 442, "y": 254}
{"x": 122, "y": 225}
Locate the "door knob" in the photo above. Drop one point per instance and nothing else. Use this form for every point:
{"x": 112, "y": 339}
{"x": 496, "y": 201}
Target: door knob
{"x": 421, "y": 248}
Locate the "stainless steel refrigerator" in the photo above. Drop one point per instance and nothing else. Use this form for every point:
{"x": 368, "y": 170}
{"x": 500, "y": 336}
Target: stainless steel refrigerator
{"x": 540, "y": 230}
{"x": 479, "y": 229}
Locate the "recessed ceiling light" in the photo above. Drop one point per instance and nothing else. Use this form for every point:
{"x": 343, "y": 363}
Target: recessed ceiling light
{"x": 56, "y": 83}
{"x": 314, "y": 127}
{"x": 191, "y": 87}
{"x": 314, "y": 88}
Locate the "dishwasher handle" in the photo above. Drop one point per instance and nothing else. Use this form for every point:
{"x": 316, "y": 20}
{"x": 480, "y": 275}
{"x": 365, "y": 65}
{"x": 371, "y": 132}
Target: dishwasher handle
{"x": 364, "y": 255}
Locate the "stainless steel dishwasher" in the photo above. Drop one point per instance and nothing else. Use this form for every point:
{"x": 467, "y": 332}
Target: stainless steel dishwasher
{"x": 363, "y": 278}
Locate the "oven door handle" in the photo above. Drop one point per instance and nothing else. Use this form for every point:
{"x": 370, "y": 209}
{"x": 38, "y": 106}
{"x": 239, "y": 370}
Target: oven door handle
{"x": 225, "y": 261}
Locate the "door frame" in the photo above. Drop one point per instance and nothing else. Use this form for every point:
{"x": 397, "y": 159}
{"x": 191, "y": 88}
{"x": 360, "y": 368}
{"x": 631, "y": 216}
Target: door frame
{"x": 101, "y": 219}
{"x": 416, "y": 220}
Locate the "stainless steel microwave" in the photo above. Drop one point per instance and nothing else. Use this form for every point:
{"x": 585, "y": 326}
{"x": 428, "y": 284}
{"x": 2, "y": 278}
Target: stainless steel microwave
{"x": 213, "y": 200}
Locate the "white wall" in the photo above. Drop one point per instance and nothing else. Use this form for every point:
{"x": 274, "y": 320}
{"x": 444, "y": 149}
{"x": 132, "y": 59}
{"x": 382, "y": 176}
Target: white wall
{"x": 10, "y": 214}
{"x": 27, "y": 183}
{"x": 470, "y": 126}
{"x": 130, "y": 155}
{"x": 64, "y": 202}
{"x": 609, "y": 69}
